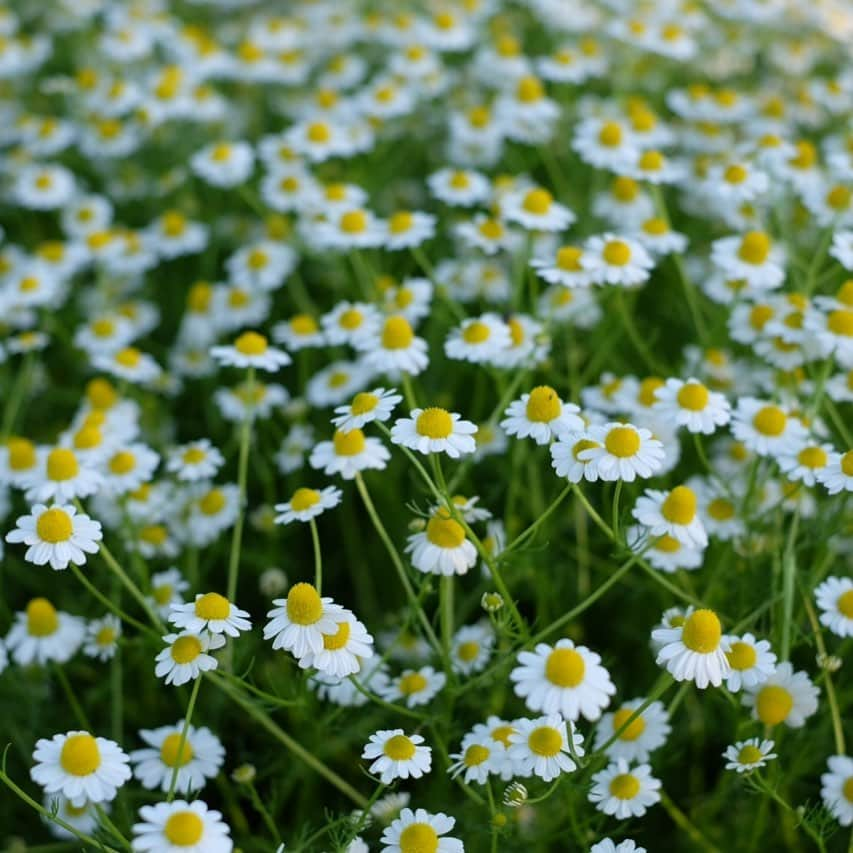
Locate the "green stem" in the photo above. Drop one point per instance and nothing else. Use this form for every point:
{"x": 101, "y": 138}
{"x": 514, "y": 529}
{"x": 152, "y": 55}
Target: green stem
{"x": 22, "y": 383}
{"x": 408, "y": 390}
{"x": 789, "y": 569}
{"x": 665, "y": 683}
{"x": 526, "y": 534}
{"x": 183, "y": 739}
{"x": 318, "y": 559}
{"x": 117, "y": 611}
{"x": 258, "y": 803}
{"x": 446, "y": 596}
{"x": 617, "y": 492}
{"x": 242, "y": 470}
{"x": 76, "y": 708}
{"x": 683, "y": 822}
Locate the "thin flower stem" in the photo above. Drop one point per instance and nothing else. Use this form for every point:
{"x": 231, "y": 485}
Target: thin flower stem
{"x": 262, "y": 810}
{"x": 683, "y": 822}
{"x": 634, "y": 336}
{"x": 104, "y": 818}
{"x": 617, "y": 492}
{"x": 445, "y": 592}
{"x": 15, "y": 398}
{"x": 318, "y": 559}
{"x": 76, "y": 708}
{"x": 789, "y": 571}
{"x": 117, "y": 611}
{"x": 242, "y": 471}
{"x": 183, "y": 739}
{"x": 526, "y": 534}
{"x": 378, "y": 700}
{"x": 365, "y": 812}
{"x": 664, "y": 684}
{"x": 408, "y": 390}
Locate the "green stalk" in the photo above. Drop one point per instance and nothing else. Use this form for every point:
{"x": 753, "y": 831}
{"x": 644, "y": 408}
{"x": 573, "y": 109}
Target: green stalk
{"x": 183, "y": 739}
{"x": 242, "y": 470}
{"x": 318, "y": 559}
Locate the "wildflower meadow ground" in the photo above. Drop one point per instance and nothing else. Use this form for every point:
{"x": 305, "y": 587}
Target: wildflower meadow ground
{"x": 426, "y": 426}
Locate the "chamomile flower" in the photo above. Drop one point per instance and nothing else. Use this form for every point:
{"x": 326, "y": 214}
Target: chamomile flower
{"x": 748, "y": 755}
{"x": 210, "y": 612}
{"x": 837, "y": 788}
{"x": 366, "y": 407}
{"x": 198, "y": 460}
{"x": 251, "y": 350}
{"x": 442, "y": 548}
{"x": 644, "y": 734}
{"x": 186, "y": 656}
{"x": 621, "y": 451}
{"x": 565, "y": 457}
{"x": 299, "y": 622}
{"x": 62, "y": 476}
{"x": 414, "y": 686}
{"x": 804, "y": 464}
{"x": 181, "y": 826}
{"x": 692, "y": 405}
{"x": 348, "y": 321}
{"x": 396, "y": 755}
{"x": 224, "y": 164}
{"x": 406, "y": 229}
{"x": 307, "y": 503}
{"x": 419, "y": 830}
{"x": 605, "y": 144}
{"x": 837, "y": 476}
{"x": 348, "y": 453}
{"x": 166, "y": 589}
{"x": 611, "y": 259}
{"x": 129, "y": 467}
{"x": 459, "y": 188}
{"x": 56, "y": 535}
{"x": 475, "y": 758}
{"x": 536, "y": 210}
{"x": 751, "y": 662}
{"x": 345, "y": 649}
{"x": 835, "y": 599}
{"x": 435, "y": 430}
{"x": 197, "y": 757}
{"x": 394, "y": 347}
{"x": 752, "y": 258}
{"x": 471, "y": 648}
{"x": 565, "y": 268}
{"x": 786, "y": 696}
{"x": 79, "y": 766}
{"x": 624, "y": 791}
{"x": 672, "y": 514}
{"x": 766, "y": 428}
{"x": 83, "y": 818}
{"x": 696, "y": 650}
{"x": 479, "y": 340}
{"x": 102, "y": 637}
{"x": 608, "y": 846}
{"x": 129, "y": 363}
{"x": 41, "y": 634}
{"x": 542, "y": 416}
{"x": 542, "y": 747}
{"x": 19, "y": 461}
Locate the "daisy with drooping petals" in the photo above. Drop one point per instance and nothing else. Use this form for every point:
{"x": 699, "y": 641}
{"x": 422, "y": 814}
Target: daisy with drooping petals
{"x": 609, "y": 259}
{"x": 414, "y": 686}
{"x": 644, "y": 734}
{"x": 621, "y": 451}
{"x": 672, "y": 514}
{"x": 442, "y": 548}
{"x": 366, "y": 407}
{"x": 696, "y": 650}
{"x": 181, "y": 827}
{"x": 41, "y": 633}
{"x": 394, "y": 347}
{"x": 541, "y": 747}
{"x": 471, "y": 648}
{"x": 62, "y": 476}
{"x": 564, "y": 679}
{"x": 837, "y": 788}
{"x": 835, "y": 599}
{"x": 396, "y": 755}
{"x": 210, "y": 612}
{"x": 837, "y": 476}
{"x": 297, "y": 623}
{"x": 417, "y": 831}
{"x": 623, "y": 791}
{"x": 198, "y": 460}
{"x": 690, "y": 404}
{"x": 57, "y": 536}
{"x": 306, "y": 503}
{"x": 765, "y": 428}
{"x": 748, "y": 755}
{"x": 536, "y": 210}
{"x": 784, "y": 697}
{"x": 348, "y": 453}
{"x": 81, "y": 767}
{"x": 186, "y": 656}
{"x": 542, "y": 416}
{"x": 751, "y": 661}
{"x": 345, "y": 649}
{"x": 475, "y": 758}
{"x": 435, "y": 430}
{"x": 251, "y": 350}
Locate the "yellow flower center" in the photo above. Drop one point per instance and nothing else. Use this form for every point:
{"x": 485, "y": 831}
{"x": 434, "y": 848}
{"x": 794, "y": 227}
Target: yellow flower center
{"x": 469, "y": 651}
{"x": 647, "y": 393}
{"x": 303, "y": 324}
{"x": 54, "y": 525}
{"x": 399, "y": 748}
{"x": 617, "y": 253}
{"x": 502, "y": 734}
{"x": 742, "y": 656}
{"x": 537, "y": 202}
{"x": 251, "y": 343}
{"x": 652, "y": 161}
{"x": 770, "y": 421}
{"x": 397, "y": 333}
{"x": 838, "y": 198}
{"x": 847, "y": 789}
{"x": 583, "y": 444}
{"x": 88, "y": 437}
{"x": 418, "y": 838}
{"x": 812, "y": 457}
{"x": 42, "y": 618}
{"x": 491, "y": 229}
{"x": 348, "y": 443}
{"x": 610, "y": 134}
{"x": 213, "y": 502}
{"x": 655, "y": 226}
{"x": 101, "y": 394}
{"x": 412, "y": 683}
{"x": 565, "y": 668}
{"x": 845, "y": 604}
{"x": 22, "y": 454}
{"x": 721, "y": 509}
{"x": 475, "y": 755}
{"x": 634, "y": 730}
{"x": 339, "y": 639}
{"x": 212, "y": 605}
{"x": 545, "y": 741}
{"x": 80, "y": 755}
{"x": 476, "y": 333}
{"x": 773, "y": 704}
{"x": 735, "y": 174}
{"x": 304, "y": 606}
{"x": 319, "y": 131}
{"x": 401, "y": 222}
{"x": 173, "y": 224}
{"x": 184, "y": 829}
{"x": 680, "y": 505}
{"x": 128, "y": 357}
{"x": 444, "y": 532}
{"x": 625, "y": 189}
{"x": 186, "y": 649}
{"x": 153, "y": 534}
{"x": 667, "y": 544}
{"x": 569, "y": 258}
{"x": 847, "y": 464}
{"x": 434, "y": 422}
{"x": 840, "y": 322}
{"x": 529, "y": 90}
{"x": 122, "y": 462}
{"x": 62, "y": 464}
{"x": 622, "y": 442}
{"x": 304, "y": 499}
{"x": 354, "y": 222}
{"x": 749, "y": 754}
{"x": 460, "y": 181}
{"x": 363, "y": 403}
{"x": 543, "y": 405}
{"x": 693, "y": 396}
{"x": 702, "y": 632}
{"x": 754, "y": 247}
{"x": 625, "y": 786}
{"x": 171, "y": 753}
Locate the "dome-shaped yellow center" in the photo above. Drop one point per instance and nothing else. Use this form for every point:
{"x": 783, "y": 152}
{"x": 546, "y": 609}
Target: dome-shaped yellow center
{"x": 363, "y": 403}
{"x": 735, "y": 174}
{"x": 773, "y": 704}
{"x": 647, "y": 393}
{"x": 742, "y": 656}
{"x": 770, "y": 421}
{"x": 476, "y": 332}
{"x": 401, "y": 222}
{"x": 840, "y": 322}
{"x": 80, "y": 755}
{"x": 349, "y": 443}
{"x": 444, "y": 532}
{"x": 171, "y": 752}
{"x": 543, "y": 405}
{"x": 812, "y": 457}
{"x": 411, "y": 683}
{"x": 42, "y": 618}
{"x": 617, "y": 253}
{"x": 304, "y": 606}
{"x": 702, "y": 632}
{"x": 680, "y": 505}
{"x": 399, "y": 748}
{"x": 538, "y": 202}
{"x": 186, "y": 649}
{"x": 122, "y": 462}
{"x": 610, "y": 134}
{"x": 545, "y": 741}
{"x": 569, "y": 258}
{"x": 418, "y": 838}
{"x": 339, "y": 639}
{"x": 845, "y": 604}
{"x": 529, "y": 90}
{"x": 88, "y": 437}
{"x": 565, "y": 668}
{"x": 749, "y": 754}
{"x": 319, "y": 131}
{"x": 721, "y": 509}
{"x": 634, "y": 729}
{"x": 468, "y": 651}
{"x": 754, "y": 247}
{"x": 184, "y": 829}
{"x": 101, "y": 394}
{"x": 22, "y": 454}
{"x": 622, "y": 442}
{"x": 54, "y": 525}
{"x": 652, "y": 161}
{"x": 303, "y": 324}
{"x": 62, "y": 464}
{"x": 304, "y": 499}
{"x": 434, "y": 423}
{"x": 353, "y": 222}
{"x": 251, "y": 343}
{"x": 128, "y": 357}
{"x": 692, "y": 396}
{"x": 625, "y": 786}
{"x": 397, "y": 333}
{"x": 847, "y": 464}
{"x": 475, "y": 755}
{"x": 213, "y": 502}
{"x": 213, "y": 606}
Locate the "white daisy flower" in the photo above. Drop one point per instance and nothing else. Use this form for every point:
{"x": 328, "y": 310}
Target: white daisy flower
{"x": 623, "y": 791}
{"x": 366, "y": 407}
{"x": 542, "y": 416}
{"x": 471, "y": 648}
{"x": 419, "y": 830}
{"x": 185, "y": 657}
{"x": 837, "y": 788}
{"x": 804, "y": 464}
{"x": 345, "y": 649}
{"x": 696, "y": 650}
{"x": 394, "y": 348}
{"x": 643, "y": 735}
{"x": 414, "y": 686}
{"x": 102, "y": 637}
{"x": 842, "y": 248}
{"x": 348, "y": 321}
{"x": 690, "y": 404}
{"x": 442, "y": 548}
{"x": 19, "y": 461}
{"x": 487, "y": 234}
{"x": 83, "y": 818}
{"x": 56, "y": 536}
{"x": 406, "y": 229}
{"x": 79, "y": 766}
{"x": 306, "y": 503}
{"x": 565, "y": 457}
{"x": 565, "y": 268}
{"x": 605, "y": 144}
{"x": 459, "y": 187}
{"x": 299, "y": 332}
{"x": 299, "y": 622}
{"x": 621, "y": 451}
{"x": 198, "y": 759}
{"x": 435, "y": 430}
{"x": 765, "y": 428}
{"x": 396, "y": 755}
{"x": 784, "y": 697}
{"x": 224, "y": 164}
{"x": 837, "y": 476}
{"x": 563, "y": 679}
{"x": 348, "y": 453}
{"x": 751, "y": 661}
{"x": 198, "y": 460}
{"x": 609, "y": 259}
{"x": 608, "y": 846}
{"x": 181, "y": 826}
{"x": 748, "y": 755}
{"x": 541, "y": 747}
{"x": 210, "y": 612}
{"x": 475, "y": 758}
{"x": 129, "y": 467}
{"x": 41, "y": 633}
{"x": 536, "y": 210}
{"x": 166, "y": 589}
{"x": 62, "y": 476}
{"x": 835, "y": 599}
{"x": 251, "y": 350}
{"x": 752, "y": 258}
{"x": 478, "y": 340}
{"x": 672, "y": 514}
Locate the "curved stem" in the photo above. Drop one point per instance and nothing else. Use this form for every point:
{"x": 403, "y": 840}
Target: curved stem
{"x": 242, "y": 471}
{"x": 183, "y": 739}
{"x": 318, "y": 559}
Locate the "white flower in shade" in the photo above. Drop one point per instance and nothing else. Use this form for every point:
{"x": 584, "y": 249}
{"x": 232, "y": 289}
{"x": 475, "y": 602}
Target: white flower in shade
{"x": 83, "y": 818}
{"x": 344, "y": 649}
{"x": 414, "y": 686}
{"x": 691, "y": 405}
{"x": 752, "y": 258}
{"x": 748, "y": 755}
{"x": 56, "y": 536}
{"x": 623, "y": 791}
{"x": 416, "y": 831}
{"x": 128, "y": 467}
{"x": 541, "y": 747}
{"x": 299, "y": 622}
{"x": 835, "y": 599}
{"x": 102, "y": 637}
{"x": 19, "y": 460}
{"x": 837, "y": 788}
{"x": 696, "y": 650}
{"x": 198, "y": 460}
{"x": 837, "y": 476}
{"x": 608, "y": 846}
{"x": 41, "y": 633}
{"x": 609, "y": 259}
{"x": 61, "y": 477}
{"x": 366, "y": 407}
{"x": 394, "y": 348}
{"x": 348, "y": 453}
{"x": 542, "y": 416}
{"x": 621, "y": 451}
{"x": 563, "y": 679}
{"x": 672, "y": 514}
{"x": 442, "y": 548}
{"x": 408, "y": 228}
{"x": 784, "y": 697}
{"x": 842, "y": 248}
{"x": 765, "y": 428}
{"x": 251, "y": 350}
{"x": 210, "y": 612}
{"x": 81, "y": 767}
{"x": 224, "y": 164}
{"x": 641, "y": 737}
{"x": 475, "y": 759}
{"x": 536, "y": 210}
{"x": 166, "y": 589}
{"x": 185, "y": 657}
{"x": 435, "y": 430}
{"x": 306, "y": 503}
{"x": 751, "y": 661}
{"x": 565, "y": 457}
{"x": 198, "y": 759}
{"x": 479, "y": 340}
{"x": 471, "y": 648}
{"x": 348, "y": 321}
{"x": 664, "y": 552}
{"x": 396, "y": 755}
{"x": 181, "y": 827}
{"x": 497, "y": 733}
{"x": 130, "y": 364}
